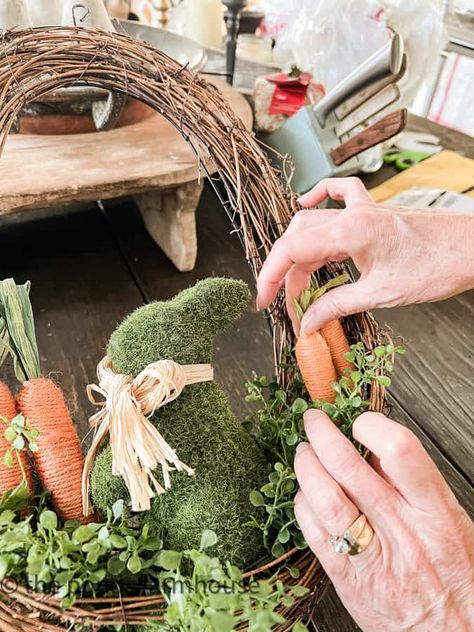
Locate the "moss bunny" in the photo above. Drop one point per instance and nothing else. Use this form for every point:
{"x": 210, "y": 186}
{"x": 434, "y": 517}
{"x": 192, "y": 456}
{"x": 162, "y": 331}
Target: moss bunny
{"x": 199, "y": 425}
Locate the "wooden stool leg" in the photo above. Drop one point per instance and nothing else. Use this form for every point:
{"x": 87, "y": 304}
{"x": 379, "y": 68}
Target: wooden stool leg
{"x": 170, "y": 218}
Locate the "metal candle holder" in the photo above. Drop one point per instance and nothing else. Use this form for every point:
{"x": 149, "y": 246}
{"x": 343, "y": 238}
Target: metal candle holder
{"x": 233, "y": 11}
{"x": 163, "y": 8}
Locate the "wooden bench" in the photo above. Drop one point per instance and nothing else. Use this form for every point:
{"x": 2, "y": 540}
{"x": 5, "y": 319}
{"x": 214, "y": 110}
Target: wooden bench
{"x": 149, "y": 161}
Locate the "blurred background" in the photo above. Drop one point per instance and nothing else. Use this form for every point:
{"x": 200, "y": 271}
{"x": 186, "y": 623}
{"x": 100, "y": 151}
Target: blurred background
{"x": 439, "y": 37}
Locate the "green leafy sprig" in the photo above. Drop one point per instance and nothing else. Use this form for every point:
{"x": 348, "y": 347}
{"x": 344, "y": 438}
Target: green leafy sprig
{"x": 353, "y": 388}
{"x": 71, "y": 560}
{"x": 309, "y": 296}
{"x": 213, "y": 597}
{"x": 21, "y": 438}
{"x": 278, "y": 426}
{"x": 201, "y": 593}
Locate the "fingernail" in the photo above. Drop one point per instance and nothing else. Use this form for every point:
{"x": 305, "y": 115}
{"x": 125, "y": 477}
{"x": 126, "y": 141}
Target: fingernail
{"x": 257, "y": 304}
{"x": 302, "y": 447}
{"x": 312, "y": 415}
{"x": 302, "y": 199}
{"x": 307, "y": 325}
{"x": 297, "y": 328}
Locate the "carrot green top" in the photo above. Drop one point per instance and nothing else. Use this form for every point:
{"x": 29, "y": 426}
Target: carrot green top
{"x": 309, "y": 296}
{"x": 17, "y": 330}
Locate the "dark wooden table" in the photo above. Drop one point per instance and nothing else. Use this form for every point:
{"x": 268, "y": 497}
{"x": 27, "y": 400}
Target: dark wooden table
{"x": 89, "y": 268}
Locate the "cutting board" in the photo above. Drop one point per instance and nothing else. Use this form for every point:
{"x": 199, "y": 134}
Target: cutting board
{"x": 447, "y": 170}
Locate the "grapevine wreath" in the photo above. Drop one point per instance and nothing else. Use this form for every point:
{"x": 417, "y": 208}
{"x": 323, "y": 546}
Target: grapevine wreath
{"x": 279, "y": 589}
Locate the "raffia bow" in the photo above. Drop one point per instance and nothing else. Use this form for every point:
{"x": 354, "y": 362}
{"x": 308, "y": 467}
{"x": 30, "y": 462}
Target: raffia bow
{"x": 137, "y": 446}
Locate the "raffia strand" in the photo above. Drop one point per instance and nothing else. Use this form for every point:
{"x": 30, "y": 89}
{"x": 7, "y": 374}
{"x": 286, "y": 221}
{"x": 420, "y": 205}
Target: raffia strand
{"x": 138, "y": 448}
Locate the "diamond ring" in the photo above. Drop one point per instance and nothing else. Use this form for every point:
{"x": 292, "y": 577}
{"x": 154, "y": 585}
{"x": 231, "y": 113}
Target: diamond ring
{"x": 355, "y": 539}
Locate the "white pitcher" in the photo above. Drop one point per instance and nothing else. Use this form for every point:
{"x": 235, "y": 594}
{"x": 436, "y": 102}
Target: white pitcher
{"x": 14, "y": 13}
{"x": 90, "y": 13}
{"x": 45, "y": 12}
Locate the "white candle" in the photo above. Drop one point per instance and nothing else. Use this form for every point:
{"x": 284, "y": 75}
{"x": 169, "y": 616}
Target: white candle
{"x": 45, "y": 12}
{"x": 14, "y": 13}
{"x": 94, "y": 13}
{"x": 204, "y": 22}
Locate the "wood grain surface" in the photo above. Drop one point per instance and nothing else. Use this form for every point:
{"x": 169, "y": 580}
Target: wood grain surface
{"x": 435, "y": 384}
{"x": 81, "y": 288}
{"x": 247, "y": 346}
{"x": 385, "y": 128}
{"x": 40, "y": 171}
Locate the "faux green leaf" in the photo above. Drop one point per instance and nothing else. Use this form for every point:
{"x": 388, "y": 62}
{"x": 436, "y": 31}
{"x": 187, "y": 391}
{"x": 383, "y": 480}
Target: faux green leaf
{"x": 277, "y": 549}
{"x": 299, "y": 406}
{"x": 170, "y": 560}
{"x": 117, "y": 509}
{"x": 134, "y": 564}
{"x": 299, "y": 541}
{"x": 299, "y": 591}
{"x": 4, "y": 566}
{"x": 152, "y": 543}
{"x": 222, "y": 622}
{"x": 115, "y": 566}
{"x": 83, "y": 534}
{"x": 257, "y": 499}
{"x": 356, "y": 376}
{"x": 10, "y": 434}
{"x": 48, "y": 520}
{"x": 284, "y": 536}
{"x": 18, "y": 443}
{"x": 8, "y": 458}
{"x": 208, "y": 539}
{"x": 294, "y": 572}
{"x": 299, "y": 627}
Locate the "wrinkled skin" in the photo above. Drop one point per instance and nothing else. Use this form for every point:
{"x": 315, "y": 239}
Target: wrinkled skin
{"x": 417, "y": 572}
{"x": 404, "y": 256}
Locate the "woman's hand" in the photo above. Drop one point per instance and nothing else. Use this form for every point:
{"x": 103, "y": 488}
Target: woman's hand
{"x": 403, "y": 256}
{"x": 417, "y": 572}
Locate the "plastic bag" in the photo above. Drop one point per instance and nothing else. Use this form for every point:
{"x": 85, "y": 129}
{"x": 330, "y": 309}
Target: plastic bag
{"x": 421, "y": 24}
{"x": 329, "y": 38}
{"x": 280, "y": 15}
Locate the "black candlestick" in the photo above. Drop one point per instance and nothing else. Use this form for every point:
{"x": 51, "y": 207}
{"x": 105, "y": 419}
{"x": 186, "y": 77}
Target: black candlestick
{"x": 234, "y": 8}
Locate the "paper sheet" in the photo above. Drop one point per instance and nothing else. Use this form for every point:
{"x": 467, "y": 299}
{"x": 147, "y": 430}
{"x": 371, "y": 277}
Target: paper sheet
{"x": 447, "y": 170}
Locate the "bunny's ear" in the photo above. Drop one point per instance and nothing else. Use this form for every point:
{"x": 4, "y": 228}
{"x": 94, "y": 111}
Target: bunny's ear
{"x": 216, "y": 302}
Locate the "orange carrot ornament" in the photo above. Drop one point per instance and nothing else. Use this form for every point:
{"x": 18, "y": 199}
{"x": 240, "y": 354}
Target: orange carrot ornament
{"x": 11, "y": 474}
{"x": 336, "y": 339}
{"x": 58, "y": 458}
{"x": 321, "y": 355}
{"x": 316, "y": 366}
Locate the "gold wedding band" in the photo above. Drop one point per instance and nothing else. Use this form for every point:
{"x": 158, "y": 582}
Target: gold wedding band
{"x": 355, "y": 539}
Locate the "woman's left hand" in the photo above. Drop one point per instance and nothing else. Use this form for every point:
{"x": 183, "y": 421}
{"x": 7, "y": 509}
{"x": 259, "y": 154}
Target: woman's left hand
{"x": 417, "y": 571}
